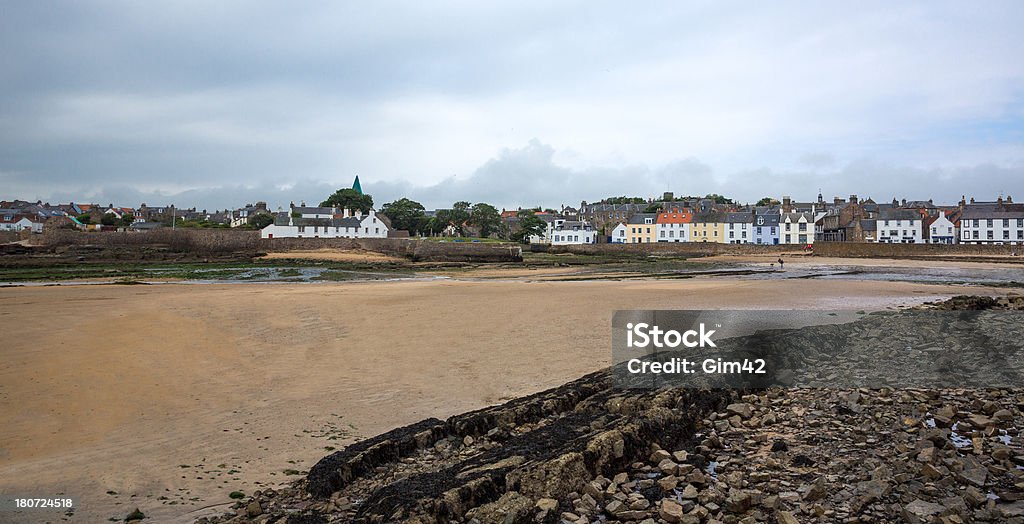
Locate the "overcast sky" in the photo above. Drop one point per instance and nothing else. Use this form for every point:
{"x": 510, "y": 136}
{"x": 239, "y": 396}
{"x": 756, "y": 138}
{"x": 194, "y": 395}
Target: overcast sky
{"x": 216, "y": 104}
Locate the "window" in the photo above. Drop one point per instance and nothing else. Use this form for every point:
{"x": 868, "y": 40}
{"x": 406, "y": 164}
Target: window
{"x": 1020, "y": 234}
{"x": 975, "y": 235}
{"x": 803, "y": 226}
{"x": 662, "y": 233}
{"x": 1020, "y": 222}
{"x": 302, "y": 229}
{"x": 990, "y": 222}
{"x": 1006, "y": 234}
{"x": 990, "y": 233}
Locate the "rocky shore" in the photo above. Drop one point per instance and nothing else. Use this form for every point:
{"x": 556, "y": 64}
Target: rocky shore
{"x": 588, "y": 452}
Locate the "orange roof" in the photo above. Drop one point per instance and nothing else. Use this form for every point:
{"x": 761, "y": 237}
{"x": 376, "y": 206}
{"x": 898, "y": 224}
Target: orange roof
{"x": 675, "y": 216}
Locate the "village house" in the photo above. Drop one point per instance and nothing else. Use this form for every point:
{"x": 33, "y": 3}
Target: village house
{"x": 303, "y": 222}
{"x": 899, "y": 226}
{"x": 13, "y": 221}
{"x": 642, "y": 228}
{"x": 940, "y": 230}
{"x": 999, "y": 222}
{"x": 766, "y": 226}
{"x": 619, "y": 234}
{"x": 572, "y": 232}
{"x": 708, "y": 227}
{"x": 796, "y": 228}
{"x": 738, "y": 228}
{"x": 673, "y": 225}
{"x": 241, "y": 216}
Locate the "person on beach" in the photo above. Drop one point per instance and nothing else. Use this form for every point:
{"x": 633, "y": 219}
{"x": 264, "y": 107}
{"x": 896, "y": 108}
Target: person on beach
{"x": 782, "y": 265}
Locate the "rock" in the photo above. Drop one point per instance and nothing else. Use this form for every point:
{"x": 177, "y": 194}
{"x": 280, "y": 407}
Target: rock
{"x": 785, "y": 517}
{"x": 670, "y": 511}
{"x": 738, "y": 502}
{"x": 920, "y": 511}
{"x": 689, "y": 492}
{"x": 780, "y": 445}
{"x": 545, "y": 504}
{"x": 744, "y": 410}
{"x": 815, "y": 490}
{"x": 668, "y": 483}
{"x": 680, "y": 456}
{"x": 667, "y": 467}
{"x": 467, "y": 441}
{"x": 974, "y": 472}
{"x": 254, "y": 509}
{"x": 510, "y": 508}
{"x": 659, "y": 456}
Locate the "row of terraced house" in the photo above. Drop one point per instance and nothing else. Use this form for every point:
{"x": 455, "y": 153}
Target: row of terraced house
{"x": 788, "y": 222}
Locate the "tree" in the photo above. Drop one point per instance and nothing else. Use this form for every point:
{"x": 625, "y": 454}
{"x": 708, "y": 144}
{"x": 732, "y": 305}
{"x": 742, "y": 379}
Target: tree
{"x": 351, "y": 199}
{"x": 653, "y": 208}
{"x": 261, "y": 220}
{"x": 767, "y": 201}
{"x": 485, "y": 218}
{"x": 405, "y": 214}
{"x": 126, "y": 220}
{"x": 85, "y": 218}
{"x": 624, "y": 200}
{"x": 719, "y": 199}
{"x": 529, "y": 225}
{"x": 108, "y": 219}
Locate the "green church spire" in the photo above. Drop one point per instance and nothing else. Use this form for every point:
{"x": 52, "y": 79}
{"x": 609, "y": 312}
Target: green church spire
{"x": 356, "y": 186}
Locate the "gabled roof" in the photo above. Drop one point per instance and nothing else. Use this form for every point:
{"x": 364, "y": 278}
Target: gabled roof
{"x": 640, "y": 218}
{"x": 899, "y": 214}
{"x": 675, "y": 216}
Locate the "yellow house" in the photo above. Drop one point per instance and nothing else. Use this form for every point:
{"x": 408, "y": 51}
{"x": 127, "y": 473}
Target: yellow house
{"x": 708, "y": 227}
{"x": 642, "y": 228}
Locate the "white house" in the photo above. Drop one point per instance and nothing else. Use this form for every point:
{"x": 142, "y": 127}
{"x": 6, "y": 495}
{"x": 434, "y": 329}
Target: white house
{"x": 673, "y": 225}
{"x": 941, "y": 230}
{"x": 619, "y": 234}
{"x": 572, "y": 232}
{"x": 344, "y": 226}
{"x": 992, "y": 223}
{"x": 10, "y": 221}
{"x": 738, "y": 228}
{"x": 796, "y": 228}
{"x": 899, "y": 226}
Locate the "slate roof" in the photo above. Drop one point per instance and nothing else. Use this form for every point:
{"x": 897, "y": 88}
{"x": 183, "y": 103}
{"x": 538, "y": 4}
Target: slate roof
{"x": 639, "y": 218}
{"x": 899, "y": 214}
{"x": 323, "y": 222}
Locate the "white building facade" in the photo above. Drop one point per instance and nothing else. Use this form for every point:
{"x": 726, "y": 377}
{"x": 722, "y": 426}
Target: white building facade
{"x": 900, "y": 226}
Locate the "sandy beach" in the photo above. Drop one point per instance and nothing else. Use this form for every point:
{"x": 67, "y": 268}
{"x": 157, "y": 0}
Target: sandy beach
{"x": 169, "y": 397}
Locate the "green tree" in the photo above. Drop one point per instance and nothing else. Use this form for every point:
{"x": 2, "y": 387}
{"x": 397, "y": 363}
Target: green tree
{"x": 485, "y": 218}
{"x": 126, "y": 220}
{"x": 624, "y": 200}
{"x": 85, "y": 218}
{"x": 351, "y": 199}
{"x": 653, "y": 208}
{"x": 405, "y": 214}
{"x": 719, "y": 199}
{"x": 108, "y": 219}
{"x": 767, "y": 201}
{"x": 529, "y": 225}
{"x": 261, "y": 220}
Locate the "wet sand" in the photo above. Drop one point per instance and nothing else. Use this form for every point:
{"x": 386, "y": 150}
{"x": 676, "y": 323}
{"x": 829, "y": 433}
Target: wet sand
{"x": 190, "y": 392}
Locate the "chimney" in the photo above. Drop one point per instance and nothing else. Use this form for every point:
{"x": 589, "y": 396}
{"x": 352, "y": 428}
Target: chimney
{"x": 787, "y": 205}
{"x": 963, "y": 202}
{"x": 972, "y": 200}
{"x": 904, "y": 202}
{"x": 999, "y": 200}
{"x": 837, "y": 201}
{"x": 853, "y": 199}
{"x": 1009, "y": 199}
